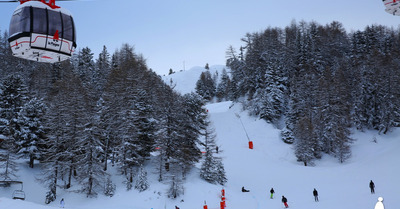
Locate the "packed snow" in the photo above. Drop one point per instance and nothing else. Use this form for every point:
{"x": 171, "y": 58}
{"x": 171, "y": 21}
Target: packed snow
{"x": 271, "y": 163}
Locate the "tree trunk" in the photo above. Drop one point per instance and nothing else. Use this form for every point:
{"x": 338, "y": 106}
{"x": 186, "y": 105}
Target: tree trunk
{"x": 31, "y": 161}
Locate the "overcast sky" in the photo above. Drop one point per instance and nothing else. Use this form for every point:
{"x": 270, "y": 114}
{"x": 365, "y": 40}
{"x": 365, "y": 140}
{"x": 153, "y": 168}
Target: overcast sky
{"x": 182, "y": 34}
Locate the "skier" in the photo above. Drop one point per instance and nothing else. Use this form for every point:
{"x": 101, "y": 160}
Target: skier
{"x": 245, "y": 190}
{"x": 379, "y": 204}
{"x": 62, "y": 203}
{"x": 315, "y": 193}
{"x": 372, "y": 187}
{"x": 272, "y": 193}
{"x": 176, "y": 207}
{"x": 284, "y": 200}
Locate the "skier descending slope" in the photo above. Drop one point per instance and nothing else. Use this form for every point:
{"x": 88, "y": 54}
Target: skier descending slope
{"x": 284, "y": 200}
{"x": 272, "y": 193}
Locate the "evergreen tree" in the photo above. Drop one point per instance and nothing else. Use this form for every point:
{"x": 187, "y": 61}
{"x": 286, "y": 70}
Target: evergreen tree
{"x": 205, "y": 86}
{"x": 102, "y": 70}
{"x": 68, "y": 113}
{"x": 91, "y": 175}
{"x": 176, "y": 188}
{"x": 109, "y": 189}
{"x": 13, "y": 96}
{"x": 287, "y": 135}
{"x": 193, "y": 122}
{"x": 141, "y": 183}
{"x": 8, "y": 166}
{"x": 212, "y": 169}
{"x": 170, "y": 132}
{"x": 207, "y": 67}
{"x": 31, "y": 131}
{"x": 223, "y": 87}
{"x": 305, "y": 140}
{"x": 85, "y": 65}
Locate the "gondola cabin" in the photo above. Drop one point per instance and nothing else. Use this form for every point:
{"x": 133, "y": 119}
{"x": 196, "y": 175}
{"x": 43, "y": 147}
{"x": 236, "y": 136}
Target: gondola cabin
{"x": 41, "y": 31}
{"x": 392, "y": 6}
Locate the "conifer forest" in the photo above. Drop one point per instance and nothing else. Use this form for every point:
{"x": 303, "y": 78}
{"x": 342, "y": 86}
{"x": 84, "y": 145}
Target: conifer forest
{"x": 314, "y": 82}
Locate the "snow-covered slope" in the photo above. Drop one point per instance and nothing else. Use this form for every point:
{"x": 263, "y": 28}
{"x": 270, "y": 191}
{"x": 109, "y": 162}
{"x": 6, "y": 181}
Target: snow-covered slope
{"x": 186, "y": 80}
{"x": 270, "y": 164}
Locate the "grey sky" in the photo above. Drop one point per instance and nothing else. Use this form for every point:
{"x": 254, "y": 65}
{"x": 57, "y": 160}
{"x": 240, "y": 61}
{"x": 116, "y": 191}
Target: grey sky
{"x": 186, "y": 33}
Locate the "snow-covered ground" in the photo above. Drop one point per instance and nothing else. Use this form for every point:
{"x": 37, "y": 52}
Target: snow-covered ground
{"x": 185, "y": 81}
{"x": 270, "y": 164}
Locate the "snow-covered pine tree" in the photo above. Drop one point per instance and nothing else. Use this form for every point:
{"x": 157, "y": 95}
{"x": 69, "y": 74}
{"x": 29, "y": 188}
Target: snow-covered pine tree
{"x": 206, "y": 86}
{"x": 64, "y": 119}
{"x": 236, "y": 64}
{"x": 85, "y": 66}
{"x": 170, "y": 133}
{"x": 221, "y": 174}
{"x": 103, "y": 68}
{"x": 207, "y": 67}
{"x": 305, "y": 140}
{"x": 141, "y": 182}
{"x": 212, "y": 169}
{"x": 68, "y": 112}
{"x": 208, "y": 170}
{"x": 145, "y": 125}
{"x": 287, "y": 135}
{"x": 109, "y": 188}
{"x": 110, "y": 111}
{"x": 273, "y": 102}
{"x": 8, "y": 165}
{"x": 176, "y": 189}
{"x": 223, "y": 87}
{"x": 91, "y": 175}
{"x": 31, "y": 130}
{"x": 51, "y": 157}
{"x": 13, "y": 96}
{"x": 340, "y": 113}
{"x": 193, "y": 123}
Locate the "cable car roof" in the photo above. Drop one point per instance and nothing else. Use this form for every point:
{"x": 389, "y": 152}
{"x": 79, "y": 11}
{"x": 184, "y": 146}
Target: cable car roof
{"x": 39, "y": 4}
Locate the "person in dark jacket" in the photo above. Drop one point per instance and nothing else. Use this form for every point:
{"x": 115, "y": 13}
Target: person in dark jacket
{"x": 372, "y": 187}
{"x": 245, "y": 190}
{"x": 272, "y": 193}
{"x": 284, "y": 200}
{"x": 315, "y": 193}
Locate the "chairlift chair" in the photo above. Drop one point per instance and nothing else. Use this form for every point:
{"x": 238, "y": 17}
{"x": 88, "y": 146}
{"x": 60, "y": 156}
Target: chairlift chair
{"x": 18, "y": 195}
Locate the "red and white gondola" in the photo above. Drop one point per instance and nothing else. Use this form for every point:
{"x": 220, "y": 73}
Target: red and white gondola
{"x": 41, "y": 31}
{"x": 392, "y": 6}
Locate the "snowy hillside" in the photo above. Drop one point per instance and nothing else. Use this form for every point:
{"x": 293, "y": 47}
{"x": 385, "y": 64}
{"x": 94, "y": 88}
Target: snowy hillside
{"x": 270, "y": 164}
{"x": 186, "y": 80}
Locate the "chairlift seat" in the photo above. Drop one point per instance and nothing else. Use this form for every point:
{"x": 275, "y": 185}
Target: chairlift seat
{"x": 18, "y": 195}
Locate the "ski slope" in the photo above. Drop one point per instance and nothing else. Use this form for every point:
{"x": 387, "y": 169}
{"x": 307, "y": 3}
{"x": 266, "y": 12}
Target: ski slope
{"x": 270, "y": 164}
{"x": 185, "y": 81}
